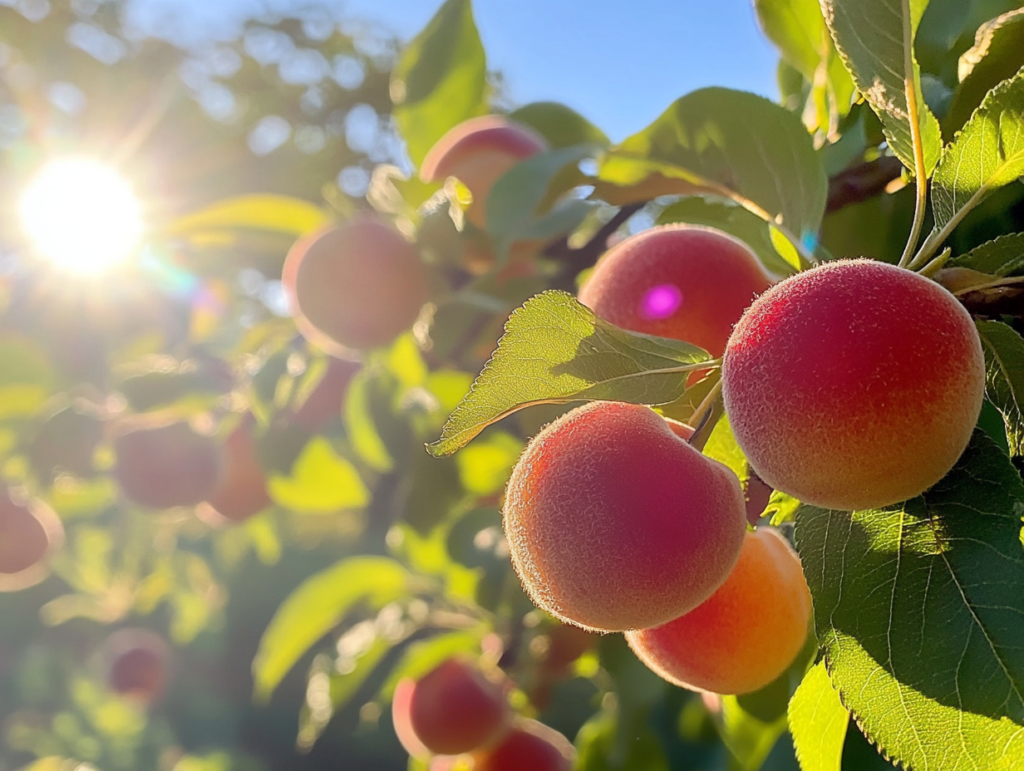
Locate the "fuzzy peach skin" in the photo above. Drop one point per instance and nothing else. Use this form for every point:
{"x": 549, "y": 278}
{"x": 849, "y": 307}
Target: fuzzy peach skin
{"x": 478, "y": 152}
{"x": 242, "y": 491}
{"x": 615, "y": 523}
{"x": 746, "y": 634}
{"x": 529, "y": 746}
{"x": 680, "y": 281}
{"x": 456, "y": 709}
{"x": 357, "y": 285}
{"x": 854, "y": 385}
{"x": 165, "y": 466}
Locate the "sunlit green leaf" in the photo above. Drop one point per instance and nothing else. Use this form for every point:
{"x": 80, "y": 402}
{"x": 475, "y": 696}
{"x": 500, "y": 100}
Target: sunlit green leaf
{"x": 317, "y": 606}
{"x": 440, "y": 79}
{"x": 1004, "y": 378}
{"x": 732, "y": 144}
{"x": 321, "y": 482}
{"x": 997, "y": 53}
{"x": 556, "y": 350}
{"x": 484, "y": 467}
{"x": 818, "y": 721}
{"x": 26, "y": 377}
{"x": 561, "y": 126}
{"x": 277, "y": 213}
{"x": 781, "y": 507}
{"x": 1002, "y": 256}
{"x": 748, "y": 737}
{"x": 873, "y": 38}
{"x": 920, "y": 610}
{"x": 722, "y": 446}
{"x": 987, "y": 154}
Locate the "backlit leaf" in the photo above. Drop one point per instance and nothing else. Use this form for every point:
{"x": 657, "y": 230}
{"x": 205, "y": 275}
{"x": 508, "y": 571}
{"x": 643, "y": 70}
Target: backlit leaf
{"x": 318, "y": 605}
{"x": 1004, "y": 378}
{"x": 276, "y": 213}
{"x": 997, "y": 54}
{"x": 321, "y": 482}
{"x": 818, "y": 721}
{"x": 556, "y": 350}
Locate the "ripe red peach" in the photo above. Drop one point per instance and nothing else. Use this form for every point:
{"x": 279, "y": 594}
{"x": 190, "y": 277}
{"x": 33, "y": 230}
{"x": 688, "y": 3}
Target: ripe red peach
{"x": 679, "y": 281}
{"x": 136, "y": 662}
{"x": 478, "y": 152}
{"x": 242, "y": 489}
{"x": 854, "y": 385}
{"x": 357, "y": 285}
{"x": 616, "y": 523}
{"x": 166, "y": 466}
{"x": 455, "y": 709}
{"x": 746, "y": 634}
{"x": 529, "y": 746}
{"x": 401, "y": 718}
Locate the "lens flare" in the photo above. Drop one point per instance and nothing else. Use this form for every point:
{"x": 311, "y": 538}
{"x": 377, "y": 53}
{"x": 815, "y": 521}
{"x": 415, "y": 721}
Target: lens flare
{"x": 81, "y": 215}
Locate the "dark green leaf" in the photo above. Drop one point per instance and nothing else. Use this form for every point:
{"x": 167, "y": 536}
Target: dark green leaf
{"x": 729, "y": 216}
{"x": 440, "y": 80}
{"x": 997, "y": 54}
{"x": 1002, "y": 256}
{"x": 733, "y": 144}
{"x": 818, "y": 721}
{"x": 873, "y": 37}
{"x": 1004, "y": 378}
{"x": 317, "y": 606}
{"x": 514, "y": 203}
{"x": 920, "y": 609}
{"x": 561, "y": 126}
{"x": 556, "y": 350}
{"x": 986, "y": 155}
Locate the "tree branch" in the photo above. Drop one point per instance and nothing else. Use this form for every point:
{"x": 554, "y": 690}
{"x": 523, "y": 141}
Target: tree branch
{"x": 861, "y": 182}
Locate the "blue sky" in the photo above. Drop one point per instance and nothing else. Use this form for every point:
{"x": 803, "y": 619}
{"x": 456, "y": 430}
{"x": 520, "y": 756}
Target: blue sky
{"x": 618, "y": 63}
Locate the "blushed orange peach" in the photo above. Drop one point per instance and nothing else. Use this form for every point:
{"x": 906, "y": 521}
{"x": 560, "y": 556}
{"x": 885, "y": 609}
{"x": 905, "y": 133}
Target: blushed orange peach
{"x": 242, "y": 489}
{"x": 616, "y": 523}
{"x": 854, "y": 385}
{"x": 478, "y": 152}
{"x": 529, "y": 746}
{"x": 746, "y": 634}
{"x": 357, "y": 285}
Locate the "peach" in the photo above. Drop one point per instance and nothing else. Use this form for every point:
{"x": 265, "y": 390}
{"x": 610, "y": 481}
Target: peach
{"x": 357, "y": 285}
{"x": 746, "y": 634}
{"x": 325, "y": 401}
{"x": 456, "y": 709}
{"x": 242, "y": 490}
{"x": 29, "y": 532}
{"x": 529, "y": 746}
{"x": 401, "y": 718}
{"x": 854, "y": 385}
{"x": 679, "y": 281}
{"x": 478, "y": 152}
{"x": 616, "y": 523}
{"x": 566, "y": 643}
{"x": 165, "y": 466}
{"x": 136, "y": 664}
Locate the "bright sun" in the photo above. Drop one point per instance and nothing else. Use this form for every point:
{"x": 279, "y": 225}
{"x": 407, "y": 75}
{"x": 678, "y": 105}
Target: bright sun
{"x": 81, "y": 215}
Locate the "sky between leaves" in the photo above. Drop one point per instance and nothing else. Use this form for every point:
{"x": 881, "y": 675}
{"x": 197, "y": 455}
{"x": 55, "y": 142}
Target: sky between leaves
{"x": 618, "y": 63}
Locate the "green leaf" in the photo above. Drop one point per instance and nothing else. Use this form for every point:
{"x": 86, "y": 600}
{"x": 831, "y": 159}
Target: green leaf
{"x": 997, "y": 54}
{"x": 484, "y": 467}
{"x": 781, "y": 507}
{"x": 999, "y": 257}
{"x": 722, "y": 446}
{"x": 920, "y": 610}
{"x": 276, "y": 213}
{"x": 798, "y": 29}
{"x": 27, "y": 378}
{"x": 420, "y": 658}
{"x": 317, "y": 606}
{"x": 514, "y": 203}
{"x": 986, "y": 155}
{"x": 561, "y": 126}
{"x": 440, "y": 79}
{"x": 364, "y": 393}
{"x": 1004, "y": 378}
{"x": 874, "y": 39}
{"x": 555, "y": 350}
{"x": 748, "y": 737}
{"x": 732, "y": 144}
{"x": 321, "y": 482}
{"x": 729, "y": 216}
{"x": 818, "y": 721}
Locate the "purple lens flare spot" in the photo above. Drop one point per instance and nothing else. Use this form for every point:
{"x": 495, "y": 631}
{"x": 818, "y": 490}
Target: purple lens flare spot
{"x": 661, "y": 301}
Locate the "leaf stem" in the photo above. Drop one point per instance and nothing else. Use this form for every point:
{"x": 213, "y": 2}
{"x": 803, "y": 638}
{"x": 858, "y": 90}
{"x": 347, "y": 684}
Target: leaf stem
{"x": 936, "y": 238}
{"x": 919, "y": 174}
{"x": 703, "y": 410}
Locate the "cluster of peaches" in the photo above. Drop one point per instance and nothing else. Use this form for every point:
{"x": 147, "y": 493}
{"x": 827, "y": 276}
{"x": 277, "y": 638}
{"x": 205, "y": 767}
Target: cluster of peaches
{"x": 852, "y": 385}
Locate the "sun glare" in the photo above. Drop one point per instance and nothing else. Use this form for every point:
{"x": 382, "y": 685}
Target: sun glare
{"x": 81, "y": 215}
